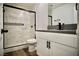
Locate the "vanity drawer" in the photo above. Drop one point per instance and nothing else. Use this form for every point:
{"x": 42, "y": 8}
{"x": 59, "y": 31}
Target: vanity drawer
{"x": 44, "y": 35}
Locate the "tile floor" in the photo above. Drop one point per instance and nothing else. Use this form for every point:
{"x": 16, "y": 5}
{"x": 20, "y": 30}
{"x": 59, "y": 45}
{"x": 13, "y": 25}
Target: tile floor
{"x": 22, "y": 52}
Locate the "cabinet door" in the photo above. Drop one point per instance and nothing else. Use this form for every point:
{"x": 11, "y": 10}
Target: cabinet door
{"x": 42, "y": 49}
{"x": 61, "y": 50}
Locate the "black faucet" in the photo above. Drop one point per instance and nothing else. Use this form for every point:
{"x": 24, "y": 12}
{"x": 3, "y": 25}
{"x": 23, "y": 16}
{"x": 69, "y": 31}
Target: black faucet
{"x": 59, "y": 26}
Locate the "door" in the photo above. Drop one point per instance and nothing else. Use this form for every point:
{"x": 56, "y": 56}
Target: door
{"x": 42, "y": 47}
{"x": 1, "y": 27}
{"x": 62, "y": 50}
{"x": 17, "y": 22}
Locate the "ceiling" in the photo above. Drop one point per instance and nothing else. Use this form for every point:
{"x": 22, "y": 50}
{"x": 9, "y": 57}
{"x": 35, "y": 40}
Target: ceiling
{"x": 55, "y": 5}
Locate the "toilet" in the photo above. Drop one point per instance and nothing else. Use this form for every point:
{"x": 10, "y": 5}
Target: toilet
{"x": 31, "y": 44}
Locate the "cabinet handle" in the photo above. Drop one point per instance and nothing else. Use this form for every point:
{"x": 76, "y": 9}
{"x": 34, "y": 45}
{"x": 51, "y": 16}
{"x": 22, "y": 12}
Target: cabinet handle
{"x": 47, "y": 44}
{"x": 4, "y": 31}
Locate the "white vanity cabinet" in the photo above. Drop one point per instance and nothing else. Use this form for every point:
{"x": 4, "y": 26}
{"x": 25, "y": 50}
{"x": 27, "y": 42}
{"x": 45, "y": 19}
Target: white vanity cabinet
{"x": 48, "y": 46}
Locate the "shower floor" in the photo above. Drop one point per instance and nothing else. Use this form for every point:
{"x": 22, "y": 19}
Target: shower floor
{"x": 22, "y": 52}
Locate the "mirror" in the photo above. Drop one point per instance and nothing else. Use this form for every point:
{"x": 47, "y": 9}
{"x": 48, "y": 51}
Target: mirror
{"x": 64, "y": 16}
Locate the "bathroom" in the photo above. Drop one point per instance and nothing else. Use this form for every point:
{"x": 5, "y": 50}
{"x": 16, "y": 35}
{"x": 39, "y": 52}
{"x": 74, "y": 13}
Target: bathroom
{"x": 39, "y": 29}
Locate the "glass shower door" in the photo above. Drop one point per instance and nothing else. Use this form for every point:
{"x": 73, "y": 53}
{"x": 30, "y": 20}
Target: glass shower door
{"x": 18, "y": 24}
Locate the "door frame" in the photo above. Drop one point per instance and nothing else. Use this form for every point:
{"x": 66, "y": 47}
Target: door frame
{"x": 3, "y": 22}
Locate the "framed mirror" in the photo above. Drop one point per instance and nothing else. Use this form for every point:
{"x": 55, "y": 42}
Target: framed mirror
{"x": 64, "y": 16}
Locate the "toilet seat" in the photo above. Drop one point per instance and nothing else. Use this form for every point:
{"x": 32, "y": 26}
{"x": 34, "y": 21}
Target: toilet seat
{"x": 31, "y": 41}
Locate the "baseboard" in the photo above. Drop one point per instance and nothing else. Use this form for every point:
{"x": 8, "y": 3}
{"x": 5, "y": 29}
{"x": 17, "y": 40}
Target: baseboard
{"x": 15, "y": 48}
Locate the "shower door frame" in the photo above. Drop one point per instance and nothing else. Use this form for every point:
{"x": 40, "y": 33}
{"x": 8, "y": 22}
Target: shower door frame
{"x": 3, "y": 23}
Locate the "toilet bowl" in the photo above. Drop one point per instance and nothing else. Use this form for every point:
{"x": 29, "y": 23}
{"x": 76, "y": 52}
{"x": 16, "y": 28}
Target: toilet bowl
{"x": 31, "y": 45}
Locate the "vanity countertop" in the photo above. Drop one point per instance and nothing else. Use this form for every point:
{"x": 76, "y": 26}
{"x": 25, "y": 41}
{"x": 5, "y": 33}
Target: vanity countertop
{"x": 59, "y": 31}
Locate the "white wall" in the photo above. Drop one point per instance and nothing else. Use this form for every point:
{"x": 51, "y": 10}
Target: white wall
{"x": 66, "y": 13}
{"x": 41, "y": 16}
